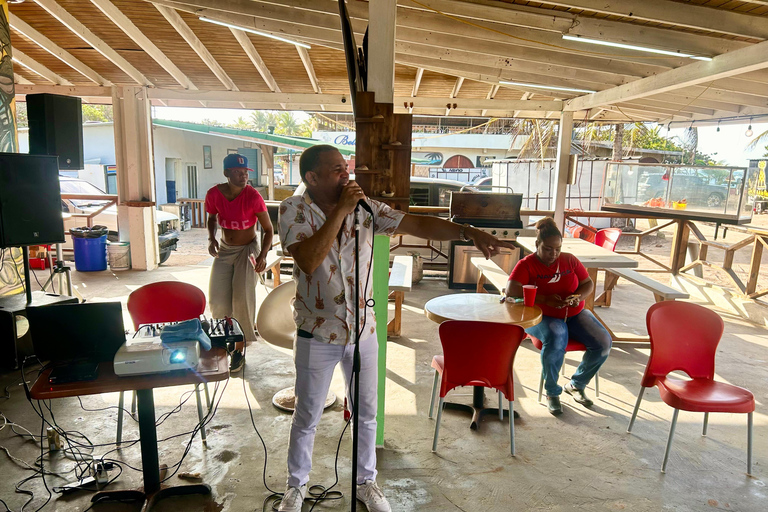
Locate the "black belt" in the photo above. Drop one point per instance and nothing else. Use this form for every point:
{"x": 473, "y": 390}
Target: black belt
{"x": 305, "y": 334}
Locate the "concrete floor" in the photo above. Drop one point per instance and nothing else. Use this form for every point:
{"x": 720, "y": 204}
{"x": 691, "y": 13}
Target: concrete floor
{"x": 582, "y": 460}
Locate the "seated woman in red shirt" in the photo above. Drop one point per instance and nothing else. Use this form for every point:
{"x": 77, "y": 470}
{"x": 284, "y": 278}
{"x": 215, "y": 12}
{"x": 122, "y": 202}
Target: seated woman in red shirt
{"x": 562, "y": 283}
{"x": 237, "y": 207}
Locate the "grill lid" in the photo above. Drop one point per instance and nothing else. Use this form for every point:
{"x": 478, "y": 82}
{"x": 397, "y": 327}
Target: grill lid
{"x": 476, "y": 208}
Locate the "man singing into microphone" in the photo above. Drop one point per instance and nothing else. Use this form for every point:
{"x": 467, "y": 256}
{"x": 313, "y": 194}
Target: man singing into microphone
{"x": 317, "y": 229}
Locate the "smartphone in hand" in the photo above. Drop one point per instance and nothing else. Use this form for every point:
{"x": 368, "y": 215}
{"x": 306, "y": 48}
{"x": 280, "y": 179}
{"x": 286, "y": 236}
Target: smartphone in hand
{"x": 252, "y": 259}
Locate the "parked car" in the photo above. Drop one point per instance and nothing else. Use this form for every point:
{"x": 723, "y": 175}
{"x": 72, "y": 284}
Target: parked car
{"x": 692, "y": 187}
{"x": 168, "y": 237}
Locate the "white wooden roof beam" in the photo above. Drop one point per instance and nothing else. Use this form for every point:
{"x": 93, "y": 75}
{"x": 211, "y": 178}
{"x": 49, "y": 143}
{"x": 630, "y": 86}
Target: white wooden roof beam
{"x": 18, "y": 79}
{"x": 304, "y": 55}
{"x": 417, "y": 82}
{"x": 137, "y": 36}
{"x": 332, "y": 100}
{"x": 258, "y": 62}
{"x": 302, "y": 18}
{"x": 90, "y": 38}
{"x": 676, "y": 13}
{"x": 525, "y": 96}
{"x": 23, "y": 28}
{"x": 326, "y": 32}
{"x": 194, "y": 42}
{"x": 490, "y": 95}
{"x": 37, "y": 68}
{"x": 740, "y": 61}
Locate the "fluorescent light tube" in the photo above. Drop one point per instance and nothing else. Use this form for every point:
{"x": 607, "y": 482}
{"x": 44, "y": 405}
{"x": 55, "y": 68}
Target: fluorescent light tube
{"x": 252, "y": 31}
{"x": 633, "y": 47}
{"x": 554, "y": 88}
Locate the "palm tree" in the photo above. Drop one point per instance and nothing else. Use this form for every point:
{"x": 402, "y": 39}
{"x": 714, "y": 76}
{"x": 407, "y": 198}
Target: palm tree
{"x": 241, "y": 124}
{"x": 263, "y": 119}
{"x": 757, "y": 141}
{"x": 287, "y": 124}
{"x": 308, "y": 126}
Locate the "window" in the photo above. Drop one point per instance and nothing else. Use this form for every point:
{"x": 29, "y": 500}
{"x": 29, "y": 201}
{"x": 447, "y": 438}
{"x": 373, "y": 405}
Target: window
{"x": 192, "y": 181}
{"x": 419, "y": 196}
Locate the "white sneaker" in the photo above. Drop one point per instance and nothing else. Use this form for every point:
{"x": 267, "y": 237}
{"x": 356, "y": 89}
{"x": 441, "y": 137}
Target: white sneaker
{"x": 293, "y": 499}
{"x": 370, "y": 494}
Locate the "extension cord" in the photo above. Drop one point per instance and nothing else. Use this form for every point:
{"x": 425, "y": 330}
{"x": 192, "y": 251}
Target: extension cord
{"x": 54, "y": 439}
{"x": 99, "y": 472}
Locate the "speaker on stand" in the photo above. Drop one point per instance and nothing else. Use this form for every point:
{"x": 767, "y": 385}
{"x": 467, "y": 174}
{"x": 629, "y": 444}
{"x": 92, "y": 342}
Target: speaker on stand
{"x": 56, "y": 128}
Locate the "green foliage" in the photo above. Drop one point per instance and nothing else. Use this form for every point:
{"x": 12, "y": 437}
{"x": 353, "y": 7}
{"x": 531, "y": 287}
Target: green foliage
{"x": 97, "y": 113}
{"x": 91, "y": 113}
{"x": 766, "y": 151}
{"x": 21, "y": 115}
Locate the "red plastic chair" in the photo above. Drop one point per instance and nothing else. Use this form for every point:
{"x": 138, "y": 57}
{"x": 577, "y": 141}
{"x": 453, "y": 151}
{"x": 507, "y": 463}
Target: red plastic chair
{"x": 166, "y": 301}
{"x": 476, "y": 354}
{"x": 684, "y": 337}
{"x": 607, "y": 238}
{"x": 572, "y": 346}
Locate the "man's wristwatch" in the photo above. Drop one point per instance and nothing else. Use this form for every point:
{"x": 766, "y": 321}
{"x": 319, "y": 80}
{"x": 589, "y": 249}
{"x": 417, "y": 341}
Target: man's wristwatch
{"x": 462, "y": 232}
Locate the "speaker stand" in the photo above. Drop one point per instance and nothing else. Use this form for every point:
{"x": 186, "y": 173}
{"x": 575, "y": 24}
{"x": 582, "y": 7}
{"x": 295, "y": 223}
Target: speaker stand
{"x": 62, "y": 272}
{"x": 27, "y": 283}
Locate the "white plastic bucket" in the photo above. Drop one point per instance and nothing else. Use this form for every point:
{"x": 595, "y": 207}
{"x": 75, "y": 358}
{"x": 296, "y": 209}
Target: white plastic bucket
{"x": 119, "y": 255}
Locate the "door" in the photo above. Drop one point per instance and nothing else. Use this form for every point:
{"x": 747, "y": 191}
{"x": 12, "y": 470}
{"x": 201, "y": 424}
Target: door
{"x": 171, "y": 189}
{"x": 192, "y": 181}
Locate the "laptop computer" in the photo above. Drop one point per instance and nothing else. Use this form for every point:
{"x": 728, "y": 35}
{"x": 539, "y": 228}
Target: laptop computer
{"x": 75, "y": 338}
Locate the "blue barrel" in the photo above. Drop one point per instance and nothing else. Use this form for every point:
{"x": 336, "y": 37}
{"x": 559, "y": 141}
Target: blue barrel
{"x": 90, "y": 253}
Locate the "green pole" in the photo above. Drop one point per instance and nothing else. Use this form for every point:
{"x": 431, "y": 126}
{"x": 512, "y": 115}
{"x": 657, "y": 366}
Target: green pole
{"x": 380, "y": 294}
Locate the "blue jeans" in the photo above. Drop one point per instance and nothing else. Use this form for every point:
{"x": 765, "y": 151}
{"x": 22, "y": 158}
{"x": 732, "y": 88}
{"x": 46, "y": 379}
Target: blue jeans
{"x": 554, "y": 334}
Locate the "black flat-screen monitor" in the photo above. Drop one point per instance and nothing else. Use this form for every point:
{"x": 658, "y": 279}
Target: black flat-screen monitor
{"x": 30, "y": 200}
{"x": 68, "y": 332}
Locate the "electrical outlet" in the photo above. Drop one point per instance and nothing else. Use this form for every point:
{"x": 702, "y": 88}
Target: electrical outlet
{"x": 99, "y": 472}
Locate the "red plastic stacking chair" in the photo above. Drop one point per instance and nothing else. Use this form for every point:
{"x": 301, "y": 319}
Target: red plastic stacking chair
{"x": 572, "y": 346}
{"x": 684, "y": 337}
{"x": 166, "y": 301}
{"x": 607, "y": 238}
{"x": 477, "y": 354}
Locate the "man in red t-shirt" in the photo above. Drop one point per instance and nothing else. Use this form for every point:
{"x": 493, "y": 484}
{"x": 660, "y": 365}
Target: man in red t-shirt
{"x": 237, "y": 207}
{"x": 561, "y": 282}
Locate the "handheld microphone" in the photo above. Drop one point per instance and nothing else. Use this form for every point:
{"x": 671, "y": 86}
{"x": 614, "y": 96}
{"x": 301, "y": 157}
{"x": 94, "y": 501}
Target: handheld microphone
{"x": 365, "y": 206}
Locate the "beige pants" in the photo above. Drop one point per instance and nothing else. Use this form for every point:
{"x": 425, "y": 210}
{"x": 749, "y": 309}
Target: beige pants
{"x": 232, "y": 288}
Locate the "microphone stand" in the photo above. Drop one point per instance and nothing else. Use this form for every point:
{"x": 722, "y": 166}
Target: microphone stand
{"x": 356, "y": 362}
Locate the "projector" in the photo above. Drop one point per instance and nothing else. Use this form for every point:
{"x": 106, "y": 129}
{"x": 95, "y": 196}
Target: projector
{"x": 148, "y": 354}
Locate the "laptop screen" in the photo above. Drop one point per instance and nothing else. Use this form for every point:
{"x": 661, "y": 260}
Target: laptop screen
{"x": 66, "y": 332}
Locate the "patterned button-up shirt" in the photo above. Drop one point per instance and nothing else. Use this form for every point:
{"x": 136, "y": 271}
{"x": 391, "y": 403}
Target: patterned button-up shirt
{"x": 325, "y": 299}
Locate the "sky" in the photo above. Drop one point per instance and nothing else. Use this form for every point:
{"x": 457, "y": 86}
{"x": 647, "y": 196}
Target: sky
{"x": 728, "y": 145}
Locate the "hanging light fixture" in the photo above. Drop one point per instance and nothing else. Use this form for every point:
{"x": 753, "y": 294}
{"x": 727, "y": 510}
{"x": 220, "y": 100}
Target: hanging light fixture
{"x": 749, "y": 131}
{"x": 718, "y": 126}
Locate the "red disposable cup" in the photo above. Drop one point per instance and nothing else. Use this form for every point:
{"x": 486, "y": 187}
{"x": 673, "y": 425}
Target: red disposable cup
{"x": 529, "y": 294}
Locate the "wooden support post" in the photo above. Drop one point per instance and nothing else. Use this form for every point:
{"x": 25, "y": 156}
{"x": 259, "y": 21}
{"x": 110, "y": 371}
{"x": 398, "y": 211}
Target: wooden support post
{"x": 754, "y": 266}
{"x": 395, "y": 326}
{"x": 679, "y": 246}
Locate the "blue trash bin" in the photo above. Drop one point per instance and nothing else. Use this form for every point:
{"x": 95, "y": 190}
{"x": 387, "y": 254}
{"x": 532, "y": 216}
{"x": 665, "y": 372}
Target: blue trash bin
{"x": 90, "y": 246}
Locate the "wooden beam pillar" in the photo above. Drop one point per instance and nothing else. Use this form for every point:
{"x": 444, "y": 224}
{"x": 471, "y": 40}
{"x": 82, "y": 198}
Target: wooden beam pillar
{"x": 565, "y": 132}
{"x": 381, "y": 50}
{"x": 135, "y": 174}
{"x": 268, "y": 156}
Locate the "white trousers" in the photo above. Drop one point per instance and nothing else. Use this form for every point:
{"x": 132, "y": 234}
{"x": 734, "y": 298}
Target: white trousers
{"x": 315, "y": 362}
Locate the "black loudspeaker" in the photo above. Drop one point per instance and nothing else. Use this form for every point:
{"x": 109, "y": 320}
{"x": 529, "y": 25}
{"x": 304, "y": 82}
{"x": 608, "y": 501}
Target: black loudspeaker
{"x": 56, "y": 128}
{"x": 30, "y": 200}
